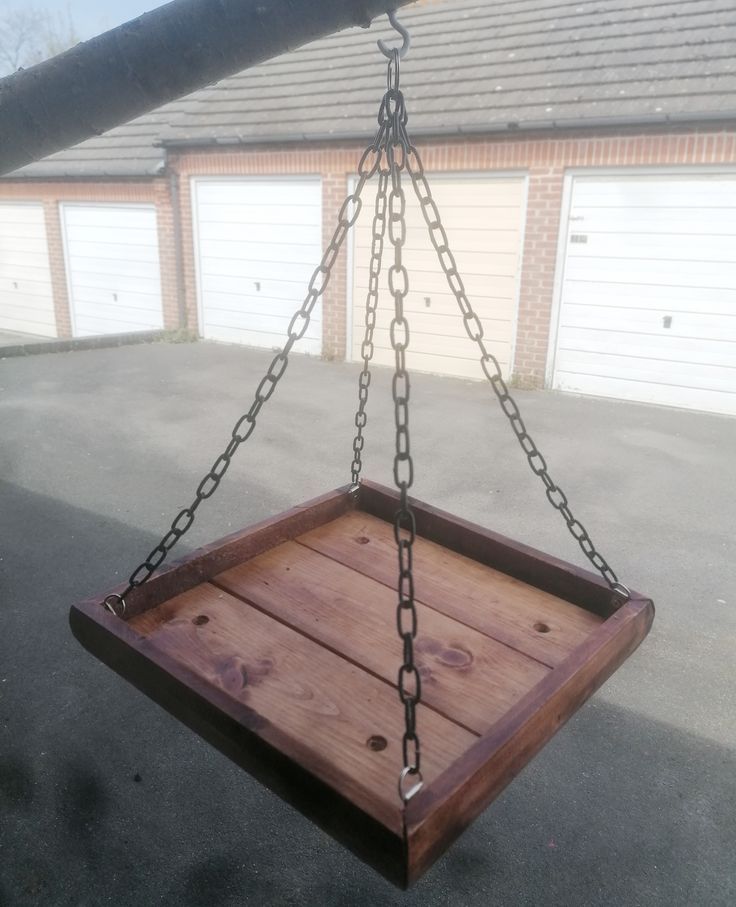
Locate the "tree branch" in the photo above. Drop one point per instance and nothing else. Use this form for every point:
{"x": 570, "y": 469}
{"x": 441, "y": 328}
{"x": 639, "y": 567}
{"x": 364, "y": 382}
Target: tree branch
{"x": 154, "y": 59}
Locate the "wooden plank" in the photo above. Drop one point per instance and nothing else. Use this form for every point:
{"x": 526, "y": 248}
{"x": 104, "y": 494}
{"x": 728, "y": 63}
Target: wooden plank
{"x": 443, "y": 809}
{"x": 199, "y": 566}
{"x": 527, "y": 564}
{"x": 338, "y": 721}
{"x": 301, "y": 718}
{"x": 230, "y": 726}
{"x": 465, "y": 675}
{"x": 531, "y": 621}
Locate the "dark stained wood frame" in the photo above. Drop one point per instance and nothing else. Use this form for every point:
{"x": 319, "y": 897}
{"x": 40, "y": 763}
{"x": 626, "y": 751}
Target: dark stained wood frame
{"x": 442, "y": 809}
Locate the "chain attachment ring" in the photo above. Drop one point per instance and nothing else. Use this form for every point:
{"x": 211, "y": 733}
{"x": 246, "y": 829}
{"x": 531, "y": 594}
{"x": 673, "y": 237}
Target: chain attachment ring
{"x": 404, "y": 793}
{"x": 115, "y": 604}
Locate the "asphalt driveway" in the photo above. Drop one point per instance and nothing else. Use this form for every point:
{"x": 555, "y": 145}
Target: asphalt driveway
{"x": 105, "y": 799}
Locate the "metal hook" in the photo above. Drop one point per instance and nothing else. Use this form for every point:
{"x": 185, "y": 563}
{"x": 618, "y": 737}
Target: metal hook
{"x": 404, "y": 49}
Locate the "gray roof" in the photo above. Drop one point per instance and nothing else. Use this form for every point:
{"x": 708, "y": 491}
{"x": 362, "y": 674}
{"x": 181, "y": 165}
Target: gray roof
{"x": 474, "y": 67}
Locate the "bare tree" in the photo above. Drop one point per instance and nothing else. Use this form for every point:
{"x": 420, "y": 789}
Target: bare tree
{"x": 29, "y": 35}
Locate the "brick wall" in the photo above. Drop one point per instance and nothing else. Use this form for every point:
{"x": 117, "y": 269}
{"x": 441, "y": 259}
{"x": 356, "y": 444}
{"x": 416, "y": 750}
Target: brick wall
{"x": 53, "y": 194}
{"x": 545, "y": 161}
{"x": 543, "y": 158}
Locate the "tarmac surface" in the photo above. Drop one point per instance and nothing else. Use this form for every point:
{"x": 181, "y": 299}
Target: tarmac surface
{"x": 105, "y": 799}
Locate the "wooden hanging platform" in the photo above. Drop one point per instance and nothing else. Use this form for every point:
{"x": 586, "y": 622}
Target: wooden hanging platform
{"x": 279, "y": 645}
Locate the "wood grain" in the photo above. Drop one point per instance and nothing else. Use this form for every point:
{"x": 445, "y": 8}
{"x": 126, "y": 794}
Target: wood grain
{"x": 442, "y": 810}
{"x": 232, "y": 727}
{"x": 513, "y": 558}
{"x": 465, "y": 675}
{"x": 527, "y": 619}
{"x": 335, "y": 715}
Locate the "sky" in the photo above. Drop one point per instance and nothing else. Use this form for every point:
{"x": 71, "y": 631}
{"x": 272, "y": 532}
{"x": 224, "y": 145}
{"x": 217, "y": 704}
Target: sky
{"x": 90, "y": 17}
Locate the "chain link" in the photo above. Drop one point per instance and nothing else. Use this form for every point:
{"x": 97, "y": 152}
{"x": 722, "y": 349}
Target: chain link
{"x": 492, "y": 368}
{"x": 245, "y": 426}
{"x": 371, "y": 309}
{"x": 409, "y": 680}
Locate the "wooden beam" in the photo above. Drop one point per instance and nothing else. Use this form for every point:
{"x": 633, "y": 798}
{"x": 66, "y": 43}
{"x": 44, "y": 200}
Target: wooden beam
{"x": 156, "y": 58}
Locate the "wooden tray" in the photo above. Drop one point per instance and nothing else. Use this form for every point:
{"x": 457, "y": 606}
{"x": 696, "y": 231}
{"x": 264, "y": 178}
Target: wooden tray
{"x": 278, "y": 644}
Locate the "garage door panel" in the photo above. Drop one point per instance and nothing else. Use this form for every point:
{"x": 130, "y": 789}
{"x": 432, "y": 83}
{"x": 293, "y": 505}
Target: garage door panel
{"x": 113, "y": 270}
{"x": 305, "y": 254}
{"x": 11, "y": 231}
{"x": 665, "y": 348}
{"x": 36, "y": 289}
{"x": 480, "y": 289}
{"x": 686, "y": 325}
{"x": 109, "y": 218}
{"x": 30, "y": 214}
{"x": 24, "y": 261}
{"x": 469, "y": 192}
{"x": 130, "y": 236}
{"x": 483, "y": 218}
{"x": 662, "y": 273}
{"x": 499, "y": 307}
{"x": 12, "y": 246}
{"x": 260, "y": 192}
{"x": 647, "y": 192}
{"x": 258, "y": 243}
{"x": 288, "y": 234}
{"x": 669, "y": 221}
{"x": 475, "y": 264}
{"x": 647, "y": 370}
{"x": 115, "y": 278}
{"x": 272, "y": 289}
{"x": 253, "y": 306}
{"x": 24, "y": 307}
{"x": 91, "y": 323}
{"x": 123, "y": 283}
{"x": 458, "y": 366}
{"x": 715, "y": 300}
{"x": 272, "y": 323}
{"x": 26, "y": 295}
{"x": 254, "y": 215}
{"x": 723, "y": 402}
{"x": 493, "y": 221}
{"x": 486, "y": 215}
{"x": 425, "y": 342}
{"x": 254, "y": 271}
{"x": 89, "y": 296}
{"x": 115, "y": 253}
{"x": 685, "y": 247}
{"x": 11, "y": 273}
{"x": 643, "y": 311}
{"x": 445, "y": 326}
{"x": 472, "y": 239}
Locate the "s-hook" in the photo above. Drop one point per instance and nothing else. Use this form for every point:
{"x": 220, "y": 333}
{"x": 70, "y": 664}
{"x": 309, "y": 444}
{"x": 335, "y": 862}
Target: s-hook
{"x": 404, "y": 49}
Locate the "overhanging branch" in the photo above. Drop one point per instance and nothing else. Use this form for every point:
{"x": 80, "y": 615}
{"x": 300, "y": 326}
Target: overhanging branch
{"x": 154, "y": 59}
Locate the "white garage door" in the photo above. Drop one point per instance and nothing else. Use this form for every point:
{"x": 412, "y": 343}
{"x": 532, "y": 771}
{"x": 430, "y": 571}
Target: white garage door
{"x": 648, "y": 302}
{"x": 258, "y": 242}
{"x": 26, "y": 297}
{"x": 112, "y": 268}
{"x": 484, "y": 219}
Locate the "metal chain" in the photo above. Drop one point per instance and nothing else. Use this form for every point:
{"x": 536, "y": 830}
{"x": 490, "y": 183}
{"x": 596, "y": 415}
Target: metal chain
{"x": 245, "y": 426}
{"x": 371, "y": 308}
{"x": 409, "y": 681}
{"x": 492, "y": 369}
